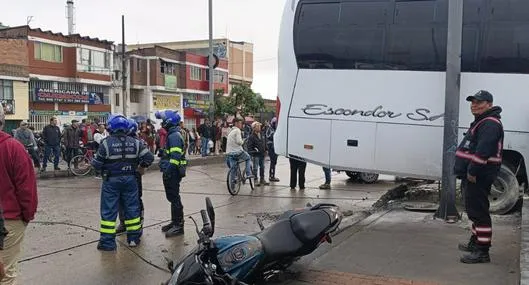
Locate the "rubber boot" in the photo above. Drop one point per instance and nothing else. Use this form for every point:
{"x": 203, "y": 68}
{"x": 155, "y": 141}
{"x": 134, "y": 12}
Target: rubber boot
{"x": 480, "y": 255}
{"x": 470, "y": 246}
{"x": 178, "y": 222}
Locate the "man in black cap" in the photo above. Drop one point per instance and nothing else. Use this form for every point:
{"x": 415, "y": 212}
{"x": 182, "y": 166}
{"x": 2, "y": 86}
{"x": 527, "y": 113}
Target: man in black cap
{"x": 478, "y": 161}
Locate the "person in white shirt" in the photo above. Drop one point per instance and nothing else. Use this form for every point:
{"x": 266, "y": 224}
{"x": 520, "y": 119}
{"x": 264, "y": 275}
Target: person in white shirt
{"x": 235, "y": 151}
{"x": 100, "y": 134}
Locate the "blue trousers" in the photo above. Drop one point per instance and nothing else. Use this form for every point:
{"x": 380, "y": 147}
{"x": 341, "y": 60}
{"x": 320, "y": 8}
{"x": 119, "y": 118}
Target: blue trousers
{"x": 48, "y": 149}
{"x": 204, "y": 146}
{"x": 118, "y": 189}
{"x": 327, "y": 172}
{"x": 258, "y": 162}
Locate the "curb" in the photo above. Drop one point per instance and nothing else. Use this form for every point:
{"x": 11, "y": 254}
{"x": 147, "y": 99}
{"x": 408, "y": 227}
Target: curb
{"x": 195, "y": 161}
{"x": 524, "y": 243}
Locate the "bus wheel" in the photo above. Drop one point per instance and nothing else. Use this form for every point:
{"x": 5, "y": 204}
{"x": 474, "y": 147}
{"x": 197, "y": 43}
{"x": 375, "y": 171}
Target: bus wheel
{"x": 368, "y": 177}
{"x": 505, "y": 192}
{"x": 353, "y": 175}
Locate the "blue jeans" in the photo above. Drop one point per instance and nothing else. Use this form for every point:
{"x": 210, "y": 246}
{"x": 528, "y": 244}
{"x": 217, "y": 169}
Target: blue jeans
{"x": 192, "y": 146}
{"x": 233, "y": 158}
{"x": 258, "y": 161}
{"x": 327, "y": 172}
{"x": 118, "y": 189}
{"x": 204, "y": 146}
{"x": 48, "y": 149}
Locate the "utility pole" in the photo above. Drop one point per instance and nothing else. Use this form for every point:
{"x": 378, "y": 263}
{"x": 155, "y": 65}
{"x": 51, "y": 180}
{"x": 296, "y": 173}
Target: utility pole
{"x": 123, "y": 67}
{"x": 211, "y": 62}
{"x": 447, "y": 208}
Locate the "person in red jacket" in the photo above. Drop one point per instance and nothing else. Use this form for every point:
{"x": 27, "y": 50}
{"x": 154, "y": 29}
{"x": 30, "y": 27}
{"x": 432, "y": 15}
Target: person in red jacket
{"x": 18, "y": 197}
{"x": 162, "y": 134}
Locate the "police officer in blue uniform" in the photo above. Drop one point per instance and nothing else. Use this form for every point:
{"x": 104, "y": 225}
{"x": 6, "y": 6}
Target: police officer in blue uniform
{"x": 133, "y": 132}
{"x": 173, "y": 165}
{"x": 118, "y": 158}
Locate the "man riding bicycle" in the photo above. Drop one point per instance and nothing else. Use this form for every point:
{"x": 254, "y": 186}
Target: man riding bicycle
{"x": 235, "y": 151}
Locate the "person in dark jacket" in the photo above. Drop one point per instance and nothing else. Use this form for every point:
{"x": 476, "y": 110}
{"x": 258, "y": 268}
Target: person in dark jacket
{"x": 52, "y": 140}
{"x": 71, "y": 136}
{"x": 25, "y": 136}
{"x": 173, "y": 166}
{"x": 478, "y": 162}
{"x": 257, "y": 149}
{"x": 271, "y": 149}
{"x": 206, "y": 133}
{"x": 18, "y": 198}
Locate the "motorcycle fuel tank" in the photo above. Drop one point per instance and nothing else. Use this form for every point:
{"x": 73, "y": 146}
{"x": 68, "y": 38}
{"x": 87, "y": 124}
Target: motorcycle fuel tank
{"x": 238, "y": 255}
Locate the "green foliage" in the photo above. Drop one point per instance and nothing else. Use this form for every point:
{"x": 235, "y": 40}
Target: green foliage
{"x": 241, "y": 97}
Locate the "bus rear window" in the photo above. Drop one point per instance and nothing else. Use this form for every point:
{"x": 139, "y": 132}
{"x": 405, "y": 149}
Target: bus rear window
{"x": 410, "y": 35}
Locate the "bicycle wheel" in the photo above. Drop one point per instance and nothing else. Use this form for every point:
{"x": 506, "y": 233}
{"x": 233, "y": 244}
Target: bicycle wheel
{"x": 80, "y": 165}
{"x": 234, "y": 185}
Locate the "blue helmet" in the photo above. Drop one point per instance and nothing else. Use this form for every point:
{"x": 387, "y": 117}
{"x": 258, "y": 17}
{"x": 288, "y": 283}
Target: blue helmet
{"x": 170, "y": 118}
{"x": 133, "y": 127}
{"x": 118, "y": 123}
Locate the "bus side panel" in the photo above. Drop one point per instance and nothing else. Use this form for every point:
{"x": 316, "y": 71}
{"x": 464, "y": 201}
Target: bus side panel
{"x": 409, "y": 149}
{"x": 353, "y": 145}
{"x": 309, "y": 139}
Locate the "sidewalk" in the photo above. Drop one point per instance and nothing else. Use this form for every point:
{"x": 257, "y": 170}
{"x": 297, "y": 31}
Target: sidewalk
{"x": 193, "y": 160}
{"x": 401, "y": 247}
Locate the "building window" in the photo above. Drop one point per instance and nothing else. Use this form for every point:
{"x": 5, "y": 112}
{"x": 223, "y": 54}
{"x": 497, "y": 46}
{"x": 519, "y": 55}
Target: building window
{"x": 196, "y": 73}
{"x": 93, "y": 61}
{"x": 134, "y": 96}
{"x": 6, "y": 90}
{"x": 48, "y": 52}
{"x": 168, "y": 68}
{"x": 138, "y": 65}
{"x": 116, "y": 99}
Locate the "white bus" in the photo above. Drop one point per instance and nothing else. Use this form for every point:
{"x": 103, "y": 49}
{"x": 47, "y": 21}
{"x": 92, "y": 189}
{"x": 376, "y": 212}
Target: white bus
{"x": 362, "y": 84}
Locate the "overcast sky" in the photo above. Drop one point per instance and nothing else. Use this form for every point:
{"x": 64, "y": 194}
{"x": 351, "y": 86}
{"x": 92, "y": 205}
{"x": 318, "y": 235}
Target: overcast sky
{"x": 255, "y": 21}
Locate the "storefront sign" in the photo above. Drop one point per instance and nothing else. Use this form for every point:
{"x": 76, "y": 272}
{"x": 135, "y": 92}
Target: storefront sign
{"x": 196, "y": 104}
{"x": 161, "y": 102}
{"x": 68, "y": 96}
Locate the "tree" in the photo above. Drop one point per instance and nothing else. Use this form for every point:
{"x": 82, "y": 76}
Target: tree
{"x": 241, "y": 97}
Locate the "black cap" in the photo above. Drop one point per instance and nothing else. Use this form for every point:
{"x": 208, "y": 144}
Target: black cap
{"x": 482, "y": 95}
{"x": 75, "y": 121}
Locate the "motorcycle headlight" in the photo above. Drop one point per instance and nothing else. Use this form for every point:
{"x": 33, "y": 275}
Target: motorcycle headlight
{"x": 176, "y": 274}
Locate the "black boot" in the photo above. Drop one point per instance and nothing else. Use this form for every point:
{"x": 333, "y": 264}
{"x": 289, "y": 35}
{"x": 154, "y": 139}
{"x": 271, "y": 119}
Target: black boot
{"x": 477, "y": 256}
{"x": 167, "y": 227}
{"x": 178, "y": 222}
{"x": 470, "y": 246}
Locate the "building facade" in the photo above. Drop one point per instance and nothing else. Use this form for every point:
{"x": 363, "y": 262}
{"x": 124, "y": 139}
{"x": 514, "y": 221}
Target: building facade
{"x": 161, "y": 78}
{"x": 238, "y": 54}
{"x": 69, "y": 76}
{"x": 14, "y": 78}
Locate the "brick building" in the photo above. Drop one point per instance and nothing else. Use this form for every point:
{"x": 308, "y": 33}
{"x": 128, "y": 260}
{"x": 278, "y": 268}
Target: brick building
{"x": 161, "y": 78}
{"x": 14, "y": 78}
{"x": 69, "y": 76}
{"x": 238, "y": 54}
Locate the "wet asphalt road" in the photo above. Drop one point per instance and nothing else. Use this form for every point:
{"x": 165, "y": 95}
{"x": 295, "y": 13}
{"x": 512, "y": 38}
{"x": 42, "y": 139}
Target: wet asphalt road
{"x": 60, "y": 245}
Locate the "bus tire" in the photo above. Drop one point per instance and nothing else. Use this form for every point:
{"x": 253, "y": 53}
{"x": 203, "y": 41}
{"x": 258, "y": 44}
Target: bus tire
{"x": 352, "y": 174}
{"x": 368, "y": 178}
{"x": 505, "y": 192}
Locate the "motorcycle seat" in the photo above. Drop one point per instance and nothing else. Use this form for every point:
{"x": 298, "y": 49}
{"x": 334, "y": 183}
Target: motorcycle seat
{"x": 294, "y": 236}
{"x": 279, "y": 241}
{"x": 309, "y": 227}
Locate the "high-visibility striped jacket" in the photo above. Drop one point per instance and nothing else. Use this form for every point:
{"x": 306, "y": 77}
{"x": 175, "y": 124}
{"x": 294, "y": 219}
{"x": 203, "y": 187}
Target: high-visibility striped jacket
{"x": 174, "y": 158}
{"x": 120, "y": 155}
{"x": 480, "y": 151}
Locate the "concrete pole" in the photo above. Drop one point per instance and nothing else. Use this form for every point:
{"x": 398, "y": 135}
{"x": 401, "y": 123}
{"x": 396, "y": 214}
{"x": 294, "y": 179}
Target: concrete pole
{"x": 211, "y": 62}
{"x": 447, "y": 208}
{"x": 124, "y": 67}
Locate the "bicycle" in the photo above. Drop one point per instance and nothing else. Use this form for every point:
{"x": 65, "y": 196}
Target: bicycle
{"x": 234, "y": 185}
{"x": 82, "y": 162}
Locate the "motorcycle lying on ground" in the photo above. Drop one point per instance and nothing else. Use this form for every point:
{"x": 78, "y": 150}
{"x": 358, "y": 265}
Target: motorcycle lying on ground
{"x": 246, "y": 259}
